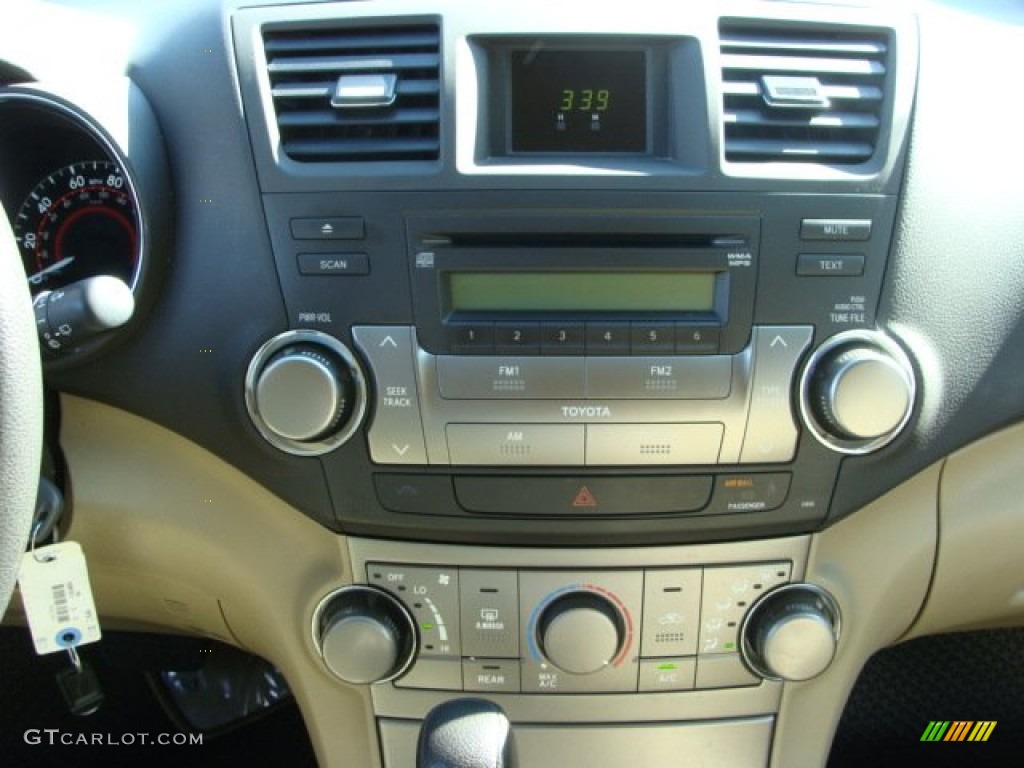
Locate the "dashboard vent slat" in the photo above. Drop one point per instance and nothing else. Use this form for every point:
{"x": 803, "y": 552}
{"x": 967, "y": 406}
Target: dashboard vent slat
{"x": 842, "y": 73}
{"x": 304, "y": 66}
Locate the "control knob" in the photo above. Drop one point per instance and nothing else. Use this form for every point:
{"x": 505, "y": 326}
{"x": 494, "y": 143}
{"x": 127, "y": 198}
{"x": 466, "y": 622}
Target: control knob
{"x": 857, "y": 392}
{"x": 580, "y": 633}
{"x": 791, "y": 633}
{"x": 364, "y": 635}
{"x": 305, "y": 392}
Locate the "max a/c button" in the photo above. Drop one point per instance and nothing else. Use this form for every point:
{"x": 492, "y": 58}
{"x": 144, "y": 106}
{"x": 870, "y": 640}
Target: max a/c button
{"x": 334, "y": 264}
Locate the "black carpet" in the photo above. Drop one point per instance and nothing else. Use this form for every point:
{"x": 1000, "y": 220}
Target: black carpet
{"x": 969, "y": 676}
{"x": 36, "y": 728}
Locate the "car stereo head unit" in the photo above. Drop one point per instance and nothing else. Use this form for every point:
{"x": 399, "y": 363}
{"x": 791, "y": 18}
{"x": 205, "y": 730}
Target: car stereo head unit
{"x": 654, "y": 285}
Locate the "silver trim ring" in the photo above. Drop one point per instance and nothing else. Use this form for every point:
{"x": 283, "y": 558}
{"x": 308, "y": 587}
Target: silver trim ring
{"x": 875, "y": 339}
{"x": 318, "y": 613}
{"x": 316, "y": 447}
{"x": 751, "y": 659}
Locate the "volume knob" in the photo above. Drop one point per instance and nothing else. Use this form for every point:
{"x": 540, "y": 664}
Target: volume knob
{"x": 305, "y": 392}
{"x": 858, "y": 392}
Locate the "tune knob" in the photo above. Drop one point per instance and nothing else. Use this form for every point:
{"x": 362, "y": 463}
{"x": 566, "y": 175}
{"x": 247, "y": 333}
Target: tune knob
{"x": 580, "y": 633}
{"x": 857, "y": 392}
{"x": 305, "y": 392}
{"x": 791, "y": 633}
{"x": 364, "y": 635}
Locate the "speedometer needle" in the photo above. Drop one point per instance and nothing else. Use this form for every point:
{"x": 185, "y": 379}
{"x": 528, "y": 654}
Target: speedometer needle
{"x": 37, "y": 278}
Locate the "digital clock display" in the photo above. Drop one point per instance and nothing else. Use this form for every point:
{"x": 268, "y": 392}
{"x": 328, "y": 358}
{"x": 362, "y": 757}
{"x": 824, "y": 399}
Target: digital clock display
{"x": 578, "y": 101}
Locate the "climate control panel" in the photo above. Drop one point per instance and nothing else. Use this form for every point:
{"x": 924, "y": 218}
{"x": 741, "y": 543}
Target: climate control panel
{"x": 526, "y": 631}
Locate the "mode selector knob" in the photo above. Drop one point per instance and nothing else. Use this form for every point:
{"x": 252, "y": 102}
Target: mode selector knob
{"x": 791, "y": 633}
{"x": 580, "y": 633}
{"x": 857, "y": 392}
{"x": 364, "y": 634}
{"x": 305, "y": 392}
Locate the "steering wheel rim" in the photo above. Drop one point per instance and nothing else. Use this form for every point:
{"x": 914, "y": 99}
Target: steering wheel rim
{"x": 21, "y": 411}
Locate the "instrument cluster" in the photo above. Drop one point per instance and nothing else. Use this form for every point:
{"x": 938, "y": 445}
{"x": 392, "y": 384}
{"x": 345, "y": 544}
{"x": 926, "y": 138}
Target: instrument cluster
{"x": 73, "y": 199}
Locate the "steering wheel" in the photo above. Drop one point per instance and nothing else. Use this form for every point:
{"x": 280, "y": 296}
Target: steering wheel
{"x": 21, "y": 411}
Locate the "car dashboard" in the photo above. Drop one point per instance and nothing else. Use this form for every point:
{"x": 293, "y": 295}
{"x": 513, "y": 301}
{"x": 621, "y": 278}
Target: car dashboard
{"x": 641, "y": 370}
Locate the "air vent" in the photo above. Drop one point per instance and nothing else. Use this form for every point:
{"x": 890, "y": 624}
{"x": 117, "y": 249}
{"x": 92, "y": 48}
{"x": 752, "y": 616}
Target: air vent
{"x": 363, "y": 94}
{"x": 802, "y": 95}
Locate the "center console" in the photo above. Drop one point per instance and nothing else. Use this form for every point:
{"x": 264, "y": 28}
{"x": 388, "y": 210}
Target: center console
{"x": 582, "y": 327}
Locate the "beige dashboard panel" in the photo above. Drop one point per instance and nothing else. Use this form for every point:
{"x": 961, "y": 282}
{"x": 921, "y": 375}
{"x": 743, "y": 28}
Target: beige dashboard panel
{"x": 979, "y": 571}
{"x": 177, "y": 538}
{"x": 877, "y": 563}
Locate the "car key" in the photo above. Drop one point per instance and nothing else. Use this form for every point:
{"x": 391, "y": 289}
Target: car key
{"x": 61, "y": 614}
{"x": 79, "y": 686}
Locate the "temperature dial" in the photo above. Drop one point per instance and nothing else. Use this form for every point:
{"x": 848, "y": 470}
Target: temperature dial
{"x": 791, "y": 633}
{"x": 857, "y": 392}
{"x": 305, "y": 392}
{"x": 580, "y": 633}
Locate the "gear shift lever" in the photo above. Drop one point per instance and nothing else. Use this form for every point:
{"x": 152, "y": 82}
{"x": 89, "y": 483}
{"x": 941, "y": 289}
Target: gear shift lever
{"x": 465, "y": 733}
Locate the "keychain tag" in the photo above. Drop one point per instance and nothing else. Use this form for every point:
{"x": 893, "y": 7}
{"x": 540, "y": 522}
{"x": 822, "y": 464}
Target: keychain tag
{"x": 55, "y": 590}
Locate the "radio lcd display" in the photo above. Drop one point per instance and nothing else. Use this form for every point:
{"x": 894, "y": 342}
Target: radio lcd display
{"x": 578, "y": 101}
{"x": 605, "y": 291}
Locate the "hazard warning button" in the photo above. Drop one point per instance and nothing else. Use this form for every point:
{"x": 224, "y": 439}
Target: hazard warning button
{"x": 574, "y": 496}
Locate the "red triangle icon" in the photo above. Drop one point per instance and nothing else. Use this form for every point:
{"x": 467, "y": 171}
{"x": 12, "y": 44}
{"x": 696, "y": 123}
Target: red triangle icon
{"x": 584, "y": 498}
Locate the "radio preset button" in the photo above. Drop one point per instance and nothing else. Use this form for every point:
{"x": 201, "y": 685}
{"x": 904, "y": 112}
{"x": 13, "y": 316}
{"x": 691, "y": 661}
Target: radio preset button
{"x": 668, "y": 378}
{"x": 510, "y": 378}
{"x": 648, "y": 444}
{"x": 517, "y": 338}
{"x": 697, "y": 339}
{"x": 653, "y": 338}
{"x": 562, "y": 338}
{"x": 472, "y": 337}
{"x": 608, "y": 338}
{"x": 515, "y": 444}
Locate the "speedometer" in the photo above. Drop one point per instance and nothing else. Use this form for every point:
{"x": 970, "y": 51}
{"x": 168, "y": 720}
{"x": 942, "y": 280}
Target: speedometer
{"x": 78, "y": 222}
